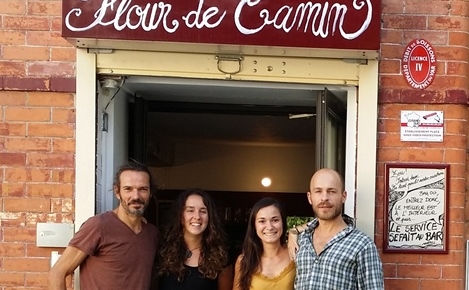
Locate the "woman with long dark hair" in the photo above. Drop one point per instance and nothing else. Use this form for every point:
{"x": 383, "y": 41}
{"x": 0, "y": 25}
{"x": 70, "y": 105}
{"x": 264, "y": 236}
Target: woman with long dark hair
{"x": 193, "y": 254}
{"x": 264, "y": 263}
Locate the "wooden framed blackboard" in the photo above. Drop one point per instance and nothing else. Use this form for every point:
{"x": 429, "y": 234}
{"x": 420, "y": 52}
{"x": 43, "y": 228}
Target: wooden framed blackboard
{"x": 416, "y": 208}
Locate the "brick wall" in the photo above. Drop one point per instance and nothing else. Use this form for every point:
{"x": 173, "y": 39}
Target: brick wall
{"x": 443, "y": 24}
{"x": 37, "y": 121}
{"x": 37, "y": 136}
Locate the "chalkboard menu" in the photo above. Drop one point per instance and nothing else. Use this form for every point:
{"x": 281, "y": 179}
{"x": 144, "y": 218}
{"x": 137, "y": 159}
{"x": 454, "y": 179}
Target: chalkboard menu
{"x": 415, "y": 218}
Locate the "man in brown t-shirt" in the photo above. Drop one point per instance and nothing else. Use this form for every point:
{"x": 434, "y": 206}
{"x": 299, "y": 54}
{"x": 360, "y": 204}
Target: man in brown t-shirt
{"x": 115, "y": 249}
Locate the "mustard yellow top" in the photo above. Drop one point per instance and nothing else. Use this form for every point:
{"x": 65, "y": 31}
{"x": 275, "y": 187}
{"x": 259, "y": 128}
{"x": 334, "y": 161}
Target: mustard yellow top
{"x": 283, "y": 281}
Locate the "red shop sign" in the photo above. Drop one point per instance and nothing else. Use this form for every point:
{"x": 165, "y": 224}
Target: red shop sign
{"x": 338, "y": 24}
{"x": 419, "y": 64}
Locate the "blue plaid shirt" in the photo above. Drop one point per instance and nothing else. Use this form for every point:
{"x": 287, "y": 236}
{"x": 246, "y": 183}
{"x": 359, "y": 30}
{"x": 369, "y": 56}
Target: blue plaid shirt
{"x": 349, "y": 261}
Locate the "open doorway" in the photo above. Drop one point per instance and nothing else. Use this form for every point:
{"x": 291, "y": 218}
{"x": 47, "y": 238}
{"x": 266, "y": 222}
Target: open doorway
{"x": 227, "y": 136}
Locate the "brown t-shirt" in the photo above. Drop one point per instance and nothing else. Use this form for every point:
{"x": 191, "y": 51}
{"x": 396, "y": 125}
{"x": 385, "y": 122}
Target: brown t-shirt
{"x": 117, "y": 257}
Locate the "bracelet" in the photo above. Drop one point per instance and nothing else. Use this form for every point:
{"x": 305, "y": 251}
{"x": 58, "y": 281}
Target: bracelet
{"x": 294, "y": 231}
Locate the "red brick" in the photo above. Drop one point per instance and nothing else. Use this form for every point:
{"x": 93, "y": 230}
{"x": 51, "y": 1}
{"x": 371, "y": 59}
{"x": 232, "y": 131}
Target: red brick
{"x": 452, "y": 53}
{"x": 447, "y": 23}
{"x": 456, "y": 214}
{"x": 12, "y": 37}
{"x": 50, "y": 190}
{"x": 56, "y": 24}
{"x": 25, "y": 53}
{"x": 26, "y": 264}
{"x": 63, "y": 145}
{"x": 388, "y": 154}
{"x": 26, "y": 83}
{"x": 456, "y": 231}
{"x": 34, "y": 251}
{"x": 17, "y": 234}
{"x": 27, "y": 114}
{"x": 456, "y": 68}
{"x": 422, "y": 96}
{"x": 12, "y": 68}
{"x": 395, "y": 82}
{"x": 401, "y": 284}
{"x": 11, "y": 279}
{"x": 418, "y": 271}
{"x": 391, "y": 36}
{"x": 390, "y": 140}
{"x": 392, "y": 7}
{"x": 62, "y": 205}
{"x": 27, "y": 144}
{"x": 12, "y": 98}
{"x": 51, "y": 130}
{"x": 433, "y": 37}
{"x": 390, "y": 66}
{"x": 418, "y": 155}
{"x": 63, "y": 115}
{"x": 33, "y": 218}
{"x": 10, "y": 129}
{"x": 13, "y": 7}
{"x": 438, "y": 284}
{"x": 13, "y": 159}
{"x": 48, "y": 8}
{"x": 50, "y": 68}
{"x": 430, "y": 7}
{"x": 388, "y": 125}
{"x": 46, "y": 38}
{"x": 22, "y": 174}
{"x": 389, "y": 96}
{"x": 51, "y": 160}
{"x": 66, "y": 84}
{"x": 457, "y": 156}
{"x": 26, "y": 204}
{"x": 49, "y": 99}
{"x": 458, "y": 38}
{"x": 457, "y": 186}
{"x": 26, "y": 23}
{"x": 392, "y": 51}
{"x": 12, "y": 250}
{"x": 13, "y": 189}
{"x": 398, "y": 259}
{"x": 67, "y": 54}
{"x": 37, "y": 280}
{"x": 455, "y": 112}
{"x": 63, "y": 175}
{"x": 457, "y": 97}
{"x": 404, "y": 22}
{"x": 458, "y": 170}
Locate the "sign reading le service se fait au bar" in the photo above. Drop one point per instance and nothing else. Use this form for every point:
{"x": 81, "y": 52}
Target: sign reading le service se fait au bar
{"x": 338, "y": 24}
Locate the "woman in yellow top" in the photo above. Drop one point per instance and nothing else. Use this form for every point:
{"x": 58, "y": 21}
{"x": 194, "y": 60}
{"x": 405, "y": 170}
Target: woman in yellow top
{"x": 264, "y": 263}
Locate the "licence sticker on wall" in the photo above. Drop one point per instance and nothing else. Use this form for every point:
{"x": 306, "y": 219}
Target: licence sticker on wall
{"x": 419, "y": 64}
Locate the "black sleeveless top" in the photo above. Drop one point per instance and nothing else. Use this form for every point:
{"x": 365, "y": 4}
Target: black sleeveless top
{"x": 192, "y": 281}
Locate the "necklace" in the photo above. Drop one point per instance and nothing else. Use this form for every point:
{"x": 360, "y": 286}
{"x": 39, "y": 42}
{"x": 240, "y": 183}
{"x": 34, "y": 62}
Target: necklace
{"x": 189, "y": 252}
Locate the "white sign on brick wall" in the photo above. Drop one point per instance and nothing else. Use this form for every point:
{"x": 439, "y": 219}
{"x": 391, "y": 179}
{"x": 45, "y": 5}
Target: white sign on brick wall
{"x": 422, "y": 126}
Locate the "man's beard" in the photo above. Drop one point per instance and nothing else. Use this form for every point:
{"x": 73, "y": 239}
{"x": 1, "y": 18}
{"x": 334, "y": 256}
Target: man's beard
{"x": 134, "y": 212}
{"x": 337, "y": 211}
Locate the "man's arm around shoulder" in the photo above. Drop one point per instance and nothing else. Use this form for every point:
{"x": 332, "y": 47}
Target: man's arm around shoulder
{"x": 70, "y": 259}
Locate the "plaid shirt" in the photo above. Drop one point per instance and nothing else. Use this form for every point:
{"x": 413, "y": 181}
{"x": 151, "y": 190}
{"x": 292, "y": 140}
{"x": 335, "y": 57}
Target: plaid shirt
{"x": 349, "y": 261}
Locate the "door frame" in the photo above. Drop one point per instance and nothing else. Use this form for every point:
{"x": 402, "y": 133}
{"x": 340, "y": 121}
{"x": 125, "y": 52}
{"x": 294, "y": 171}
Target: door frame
{"x": 360, "y": 160}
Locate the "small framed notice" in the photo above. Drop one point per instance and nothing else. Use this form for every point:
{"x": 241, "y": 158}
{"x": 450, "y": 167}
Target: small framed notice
{"x": 416, "y": 207}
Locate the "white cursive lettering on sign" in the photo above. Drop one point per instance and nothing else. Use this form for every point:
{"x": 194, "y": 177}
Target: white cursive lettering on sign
{"x": 319, "y": 19}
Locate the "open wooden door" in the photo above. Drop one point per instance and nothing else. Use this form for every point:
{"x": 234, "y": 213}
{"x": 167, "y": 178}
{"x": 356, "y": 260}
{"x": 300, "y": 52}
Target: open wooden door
{"x": 330, "y": 132}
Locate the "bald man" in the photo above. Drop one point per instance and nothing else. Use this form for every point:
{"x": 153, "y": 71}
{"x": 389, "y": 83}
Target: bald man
{"x": 333, "y": 253}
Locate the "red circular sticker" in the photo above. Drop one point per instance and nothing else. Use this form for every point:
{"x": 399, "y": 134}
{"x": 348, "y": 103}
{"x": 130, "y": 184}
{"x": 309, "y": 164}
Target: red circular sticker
{"x": 419, "y": 64}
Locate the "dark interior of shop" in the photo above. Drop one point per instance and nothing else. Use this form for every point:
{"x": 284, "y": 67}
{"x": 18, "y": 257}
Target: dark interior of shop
{"x": 242, "y": 114}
